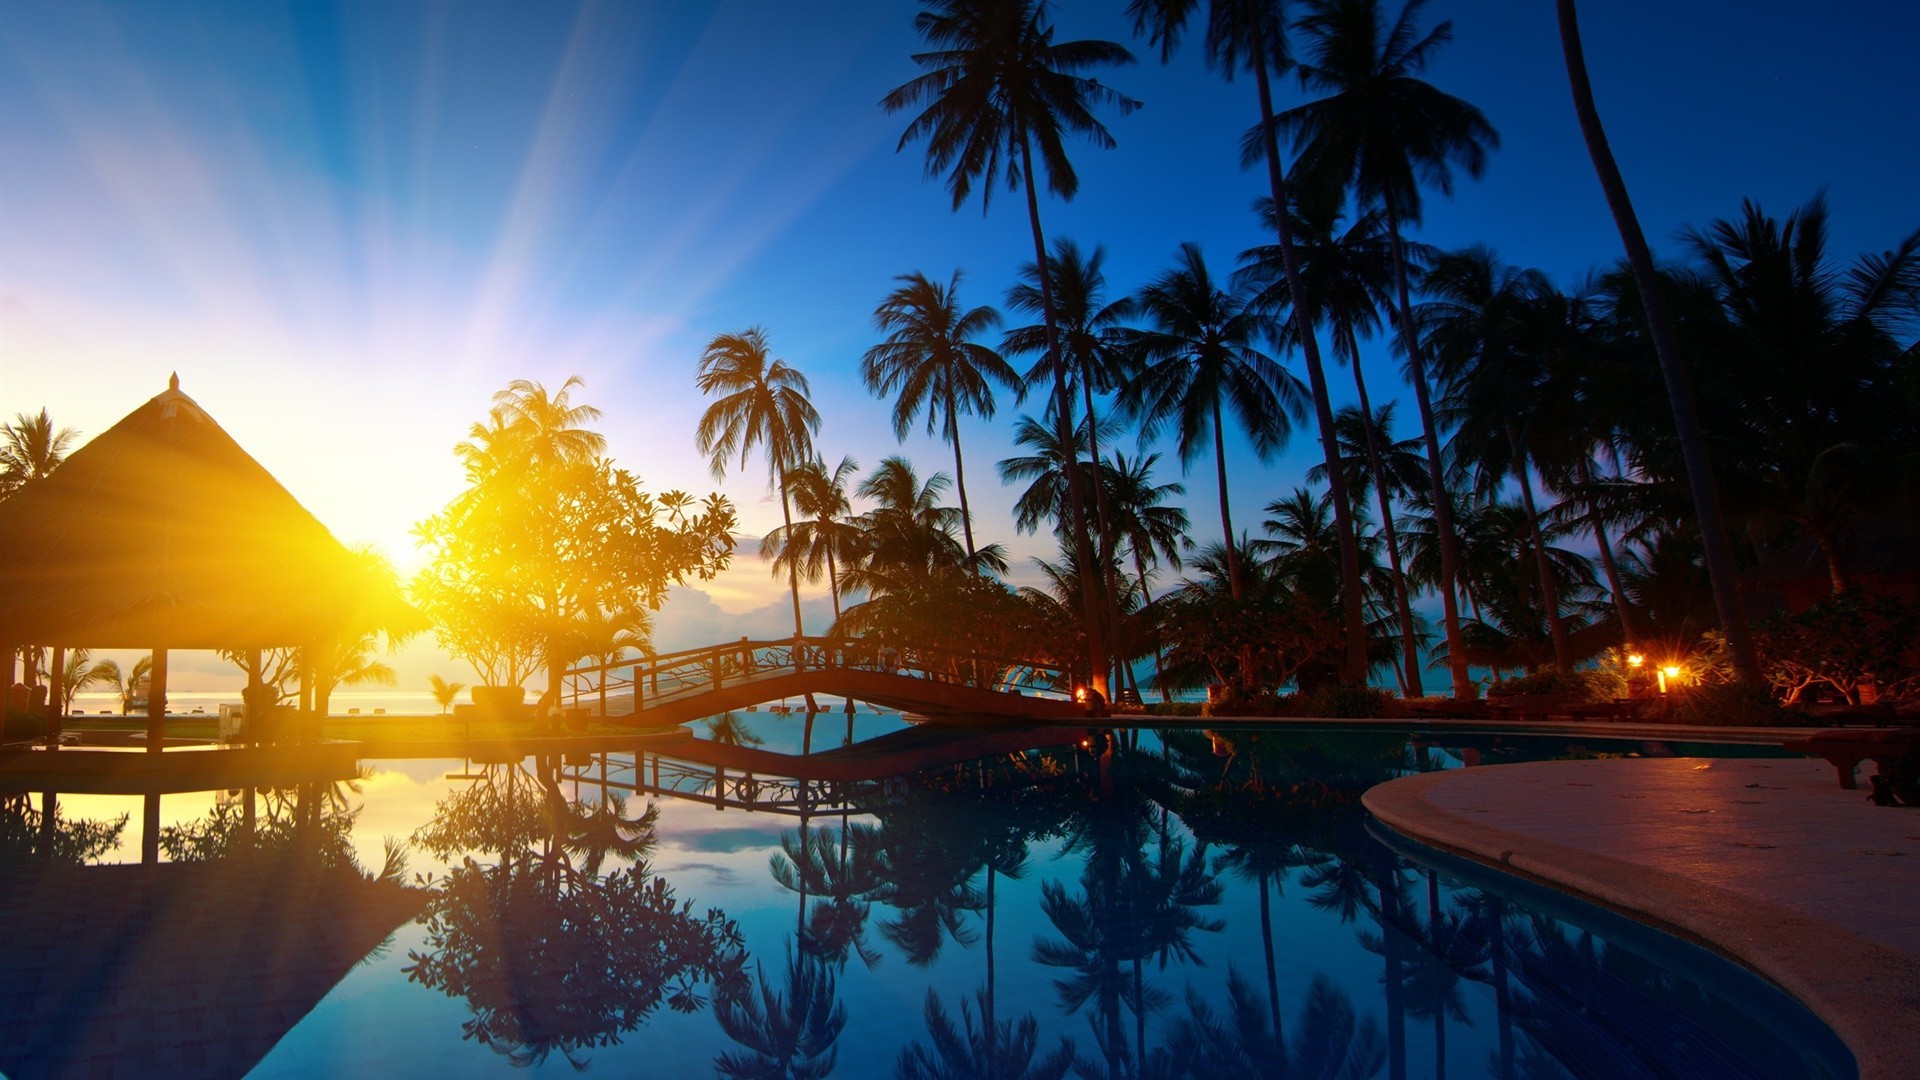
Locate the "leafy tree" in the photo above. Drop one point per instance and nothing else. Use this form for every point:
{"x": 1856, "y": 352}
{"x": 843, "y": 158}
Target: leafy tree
{"x": 548, "y": 536}
{"x": 1847, "y": 642}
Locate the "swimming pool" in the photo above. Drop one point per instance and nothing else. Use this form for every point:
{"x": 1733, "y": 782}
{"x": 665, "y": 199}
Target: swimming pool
{"x": 1151, "y": 903}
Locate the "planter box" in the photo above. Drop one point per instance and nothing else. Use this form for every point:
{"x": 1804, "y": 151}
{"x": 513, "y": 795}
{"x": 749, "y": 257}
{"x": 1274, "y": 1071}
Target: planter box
{"x": 499, "y": 702}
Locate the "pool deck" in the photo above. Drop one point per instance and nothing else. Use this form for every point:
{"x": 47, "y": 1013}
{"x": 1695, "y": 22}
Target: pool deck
{"x": 1768, "y": 861}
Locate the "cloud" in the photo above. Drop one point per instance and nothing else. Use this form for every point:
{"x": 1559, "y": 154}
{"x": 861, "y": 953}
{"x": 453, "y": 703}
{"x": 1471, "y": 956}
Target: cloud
{"x": 716, "y": 873}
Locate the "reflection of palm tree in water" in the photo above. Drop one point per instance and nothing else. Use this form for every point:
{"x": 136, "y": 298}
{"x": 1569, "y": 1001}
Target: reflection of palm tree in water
{"x": 1328, "y": 1042}
{"x": 1446, "y": 956}
{"x": 788, "y": 1032}
{"x": 982, "y": 1051}
{"x": 841, "y": 883}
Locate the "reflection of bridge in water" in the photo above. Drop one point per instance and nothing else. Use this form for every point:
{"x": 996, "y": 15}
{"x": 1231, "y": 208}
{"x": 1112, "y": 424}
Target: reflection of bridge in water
{"x": 748, "y": 778}
{"x": 673, "y": 688}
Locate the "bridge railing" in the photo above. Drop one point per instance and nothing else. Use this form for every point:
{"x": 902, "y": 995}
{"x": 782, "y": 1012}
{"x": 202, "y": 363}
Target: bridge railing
{"x": 670, "y": 676}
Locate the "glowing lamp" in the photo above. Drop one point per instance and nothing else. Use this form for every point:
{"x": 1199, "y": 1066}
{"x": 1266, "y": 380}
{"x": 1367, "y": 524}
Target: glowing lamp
{"x": 1635, "y": 660}
{"x": 1670, "y": 671}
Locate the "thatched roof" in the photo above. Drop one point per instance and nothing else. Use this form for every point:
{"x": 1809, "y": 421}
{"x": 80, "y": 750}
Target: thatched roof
{"x": 162, "y": 531}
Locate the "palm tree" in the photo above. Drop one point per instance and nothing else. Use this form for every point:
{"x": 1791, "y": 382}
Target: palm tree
{"x": 1088, "y": 330}
{"x": 1253, "y": 33}
{"x": 547, "y": 428}
{"x": 1045, "y": 470}
{"x": 930, "y": 360}
{"x": 1810, "y": 409}
{"x": 30, "y": 449}
{"x": 824, "y": 535}
{"x": 445, "y": 692}
{"x": 606, "y": 636}
{"x": 1483, "y": 332}
{"x": 1673, "y": 370}
{"x": 349, "y": 663}
{"x": 997, "y": 91}
{"x": 1349, "y": 277}
{"x": 1154, "y": 533}
{"x": 1383, "y": 130}
{"x": 764, "y": 401}
{"x": 1199, "y": 359}
{"x": 83, "y": 671}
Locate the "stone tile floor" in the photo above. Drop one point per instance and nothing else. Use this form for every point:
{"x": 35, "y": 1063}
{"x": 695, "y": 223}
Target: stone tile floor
{"x": 1779, "y": 831}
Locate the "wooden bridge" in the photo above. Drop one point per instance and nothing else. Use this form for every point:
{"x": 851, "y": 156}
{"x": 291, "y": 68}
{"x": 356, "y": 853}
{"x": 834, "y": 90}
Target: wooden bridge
{"x": 673, "y": 688}
{"x": 744, "y": 777}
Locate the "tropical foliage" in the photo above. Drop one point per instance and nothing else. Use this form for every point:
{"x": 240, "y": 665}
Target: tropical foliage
{"x": 550, "y": 538}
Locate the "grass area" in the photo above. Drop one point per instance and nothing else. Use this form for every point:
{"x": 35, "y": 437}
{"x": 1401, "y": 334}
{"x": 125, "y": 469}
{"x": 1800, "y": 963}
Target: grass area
{"x": 357, "y": 728}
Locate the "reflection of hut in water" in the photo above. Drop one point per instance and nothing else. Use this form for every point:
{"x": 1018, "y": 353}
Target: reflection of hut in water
{"x": 179, "y": 969}
{"x": 162, "y": 533}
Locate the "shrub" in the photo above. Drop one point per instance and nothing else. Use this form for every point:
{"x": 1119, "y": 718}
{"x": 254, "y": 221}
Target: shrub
{"x": 1350, "y": 703}
{"x": 1239, "y": 704}
{"x": 1575, "y": 685}
{"x": 1727, "y": 705}
{"x": 1175, "y": 708}
{"x": 24, "y": 724}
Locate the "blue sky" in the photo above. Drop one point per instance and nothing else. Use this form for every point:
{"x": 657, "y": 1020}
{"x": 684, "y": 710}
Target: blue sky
{"x": 347, "y": 225}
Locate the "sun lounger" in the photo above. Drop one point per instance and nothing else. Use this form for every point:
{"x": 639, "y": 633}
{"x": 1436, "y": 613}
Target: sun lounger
{"x": 1890, "y": 749}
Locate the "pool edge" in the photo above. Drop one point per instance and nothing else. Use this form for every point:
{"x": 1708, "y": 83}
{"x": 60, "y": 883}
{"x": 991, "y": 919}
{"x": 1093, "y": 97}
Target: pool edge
{"x": 1872, "y": 1001}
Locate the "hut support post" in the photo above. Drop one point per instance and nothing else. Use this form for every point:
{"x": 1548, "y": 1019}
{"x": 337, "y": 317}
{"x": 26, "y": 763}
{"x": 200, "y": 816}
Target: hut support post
{"x": 253, "y": 716}
{"x": 49, "y": 816}
{"x": 56, "y": 696}
{"x": 157, "y": 704}
{"x": 309, "y": 723}
{"x": 150, "y": 826}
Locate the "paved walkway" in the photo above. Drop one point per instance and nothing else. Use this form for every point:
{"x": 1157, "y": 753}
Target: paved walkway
{"x": 1770, "y": 861}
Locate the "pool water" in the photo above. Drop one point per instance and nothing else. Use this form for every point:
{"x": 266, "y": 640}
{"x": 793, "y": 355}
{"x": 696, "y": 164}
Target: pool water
{"x": 1156, "y": 903}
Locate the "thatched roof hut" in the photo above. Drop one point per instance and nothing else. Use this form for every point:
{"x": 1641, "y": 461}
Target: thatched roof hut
{"x": 162, "y": 533}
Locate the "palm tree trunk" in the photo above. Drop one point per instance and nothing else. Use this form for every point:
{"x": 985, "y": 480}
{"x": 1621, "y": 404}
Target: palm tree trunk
{"x": 1549, "y": 594}
{"x": 987, "y": 1002}
{"x": 1837, "y": 575}
{"x": 1355, "y": 672}
{"x": 1146, "y": 598}
{"x": 1107, "y": 539}
{"x": 1686, "y": 418}
{"x": 1409, "y": 648}
{"x": 1273, "y": 976}
{"x": 1226, "y": 516}
{"x": 833, "y": 583}
{"x": 1139, "y": 1016}
{"x": 793, "y": 564}
{"x": 959, "y": 473}
{"x": 1443, "y": 525}
{"x": 1063, "y": 427}
{"x": 1607, "y": 562}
